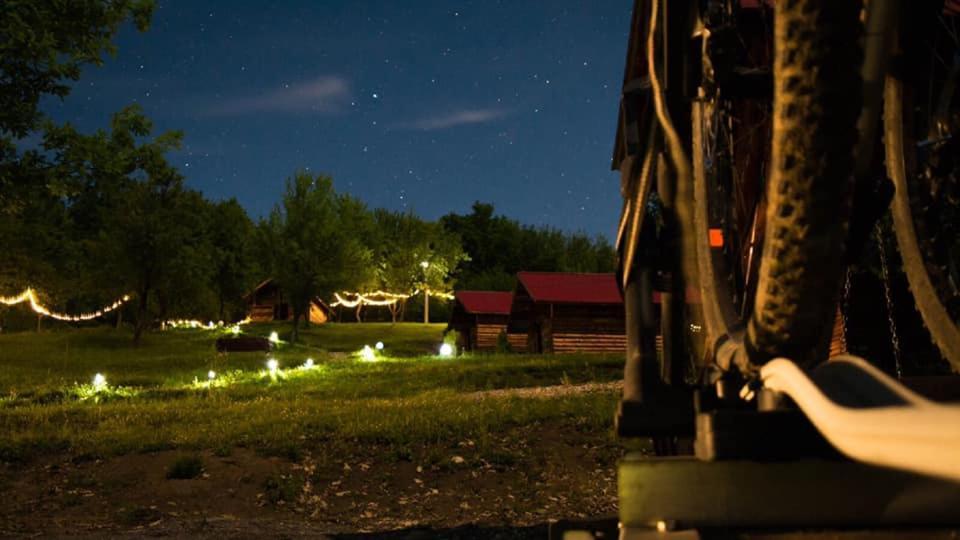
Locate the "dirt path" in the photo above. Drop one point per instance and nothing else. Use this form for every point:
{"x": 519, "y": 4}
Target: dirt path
{"x": 546, "y": 392}
{"x": 507, "y": 486}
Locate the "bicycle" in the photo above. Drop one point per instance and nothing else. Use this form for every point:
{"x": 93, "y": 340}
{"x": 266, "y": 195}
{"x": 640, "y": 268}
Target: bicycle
{"x": 754, "y": 173}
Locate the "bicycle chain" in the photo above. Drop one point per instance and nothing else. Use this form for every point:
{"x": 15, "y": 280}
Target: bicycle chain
{"x": 888, "y": 297}
{"x": 844, "y": 310}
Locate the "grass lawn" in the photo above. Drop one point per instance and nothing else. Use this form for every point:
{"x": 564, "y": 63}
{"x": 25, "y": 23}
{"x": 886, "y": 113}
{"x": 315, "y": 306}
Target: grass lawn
{"x": 408, "y": 407}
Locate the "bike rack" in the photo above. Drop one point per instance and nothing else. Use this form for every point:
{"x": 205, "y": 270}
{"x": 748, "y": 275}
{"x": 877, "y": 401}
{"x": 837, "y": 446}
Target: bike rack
{"x": 844, "y": 447}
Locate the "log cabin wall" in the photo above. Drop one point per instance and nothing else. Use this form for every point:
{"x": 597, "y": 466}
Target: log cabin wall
{"x": 588, "y": 328}
{"x": 480, "y": 317}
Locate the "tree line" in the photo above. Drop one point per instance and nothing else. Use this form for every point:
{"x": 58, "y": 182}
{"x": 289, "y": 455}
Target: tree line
{"x": 88, "y": 217}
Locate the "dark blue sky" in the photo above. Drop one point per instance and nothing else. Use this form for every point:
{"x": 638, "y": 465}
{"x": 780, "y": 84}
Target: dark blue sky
{"x": 426, "y": 105}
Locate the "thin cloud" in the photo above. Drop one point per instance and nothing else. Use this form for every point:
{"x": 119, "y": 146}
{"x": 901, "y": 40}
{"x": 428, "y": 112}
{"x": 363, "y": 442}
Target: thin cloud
{"x": 457, "y": 118}
{"x": 323, "y": 95}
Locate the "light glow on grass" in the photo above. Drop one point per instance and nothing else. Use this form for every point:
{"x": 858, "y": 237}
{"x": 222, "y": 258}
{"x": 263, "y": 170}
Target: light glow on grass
{"x": 274, "y": 338}
{"x": 235, "y": 330}
{"x": 211, "y": 374}
{"x": 446, "y": 350}
{"x": 308, "y": 364}
{"x": 99, "y": 382}
{"x": 273, "y": 365}
{"x": 379, "y": 346}
{"x": 368, "y": 354}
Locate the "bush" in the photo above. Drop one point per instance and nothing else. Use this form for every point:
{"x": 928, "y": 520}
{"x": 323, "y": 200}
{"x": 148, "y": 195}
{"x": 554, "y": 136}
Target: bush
{"x": 185, "y": 468}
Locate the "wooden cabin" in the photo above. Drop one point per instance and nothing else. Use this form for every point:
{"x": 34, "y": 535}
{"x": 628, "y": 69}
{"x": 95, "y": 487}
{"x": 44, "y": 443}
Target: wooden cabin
{"x": 568, "y": 312}
{"x": 266, "y": 302}
{"x": 480, "y": 317}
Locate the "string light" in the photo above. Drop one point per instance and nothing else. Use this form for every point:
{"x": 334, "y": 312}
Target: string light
{"x": 378, "y": 298}
{"x": 30, "y": 296}
{"x": 209, "y": 325}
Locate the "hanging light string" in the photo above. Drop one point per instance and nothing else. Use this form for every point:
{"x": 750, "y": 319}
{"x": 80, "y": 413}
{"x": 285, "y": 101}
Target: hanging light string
{"x": 29, "y": 295}
{"x": 209, "y": 325}
{"x": 378, "y": 298}
{"x": 367, "y": 299}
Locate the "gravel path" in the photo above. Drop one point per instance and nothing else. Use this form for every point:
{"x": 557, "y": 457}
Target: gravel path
{"x": 546, "y": 392}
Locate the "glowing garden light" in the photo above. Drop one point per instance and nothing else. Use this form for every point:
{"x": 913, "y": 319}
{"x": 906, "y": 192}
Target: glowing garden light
{"x": 273, "y": 365}
{"x": 211, "y": 374}
{"x": 379, "y": 346}
{"x": 235, "y": 330}
{"x": 274, "y": 338}
{"x": 308, "y": 364}
{"x": 368, "y": 354}
{"x": 99, "y": 382}
{"x": 446, "y": 350}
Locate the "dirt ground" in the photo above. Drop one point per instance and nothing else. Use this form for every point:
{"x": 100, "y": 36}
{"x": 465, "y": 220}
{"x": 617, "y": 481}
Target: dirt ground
{"x": 453, "y": 491}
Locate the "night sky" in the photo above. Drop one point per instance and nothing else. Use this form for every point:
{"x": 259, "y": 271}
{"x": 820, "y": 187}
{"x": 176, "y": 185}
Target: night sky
{"x": 425, "y": 105}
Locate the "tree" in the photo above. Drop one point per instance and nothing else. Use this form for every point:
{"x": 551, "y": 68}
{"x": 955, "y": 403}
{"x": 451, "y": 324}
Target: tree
{"x": 499, "y": 247}
{"x": 401, "y": 243}
{"x": 143, "y": 231}
{"x": 45, "y": 45}
{"x": 315, "y": 248}
{"x": 233, "y": 256}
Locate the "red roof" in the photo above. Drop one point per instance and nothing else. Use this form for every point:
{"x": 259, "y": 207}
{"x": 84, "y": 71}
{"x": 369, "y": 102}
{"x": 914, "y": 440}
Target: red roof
{"x": 570, "y": 288}
{"x": 486, "y": 302}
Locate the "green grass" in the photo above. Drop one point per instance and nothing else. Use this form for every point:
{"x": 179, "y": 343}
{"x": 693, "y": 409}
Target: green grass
{"x": 159, "y": 397}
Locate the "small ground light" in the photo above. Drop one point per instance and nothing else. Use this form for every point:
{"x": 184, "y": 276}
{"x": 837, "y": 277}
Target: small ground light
{"x": 235, "y": 329}
{"x": 99, "y": 381}
{"x": 308, "y": 364}
{"x": 379, "y": 346}
{"x": 367, "y": 353}
{"x": 272, "y": 365}
{"x": 274, "y": 338}
{"x": 211, "y": 374}
{"x": 446, "y": 350}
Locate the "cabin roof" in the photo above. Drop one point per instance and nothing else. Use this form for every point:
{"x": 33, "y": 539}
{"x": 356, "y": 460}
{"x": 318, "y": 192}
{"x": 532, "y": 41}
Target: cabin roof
{"x": 571, "y": 288}
{"x": 485, "y": 302}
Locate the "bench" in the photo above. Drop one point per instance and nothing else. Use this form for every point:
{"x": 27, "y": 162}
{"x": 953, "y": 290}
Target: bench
{"x": 243, "y": 344}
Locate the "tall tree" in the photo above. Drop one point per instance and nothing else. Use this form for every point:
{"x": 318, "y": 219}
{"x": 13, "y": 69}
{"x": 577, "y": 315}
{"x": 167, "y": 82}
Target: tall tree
{"x": 402, "y": 243}
{"x": 316, "y": 250}
{"x": 44, "y": 46}
{"x": 233, "y": 256}
{"x": 145, "y": 232}
{"x": 499, "y": 247}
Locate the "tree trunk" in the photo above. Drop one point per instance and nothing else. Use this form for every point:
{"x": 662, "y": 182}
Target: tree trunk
{"x": 141, "y": 323}
{"x": 39, "y": 318}
{"x": 394, "y": 308}
{"x": 119, "y": 317}
{"x": 359, "y": 310}
{"x": 296, "y": 326}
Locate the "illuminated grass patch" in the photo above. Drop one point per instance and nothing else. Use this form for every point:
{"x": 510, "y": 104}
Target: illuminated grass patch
{"x": 162, "y": 395}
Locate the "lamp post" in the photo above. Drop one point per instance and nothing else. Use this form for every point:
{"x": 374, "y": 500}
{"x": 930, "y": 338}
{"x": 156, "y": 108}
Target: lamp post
{"x": 426, "y": 293}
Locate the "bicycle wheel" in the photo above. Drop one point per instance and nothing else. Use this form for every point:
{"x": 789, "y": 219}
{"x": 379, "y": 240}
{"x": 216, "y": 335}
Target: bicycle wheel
{"x": 801, "y": 233}
{"x": 922, "y": 145}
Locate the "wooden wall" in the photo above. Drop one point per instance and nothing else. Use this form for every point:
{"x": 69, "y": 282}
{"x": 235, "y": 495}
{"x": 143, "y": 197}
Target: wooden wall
{"x": 581, "y": 328}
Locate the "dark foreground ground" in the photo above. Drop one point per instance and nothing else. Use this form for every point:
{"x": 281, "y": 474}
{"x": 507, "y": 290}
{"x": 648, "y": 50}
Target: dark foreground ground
{"x": 364, "y": 492}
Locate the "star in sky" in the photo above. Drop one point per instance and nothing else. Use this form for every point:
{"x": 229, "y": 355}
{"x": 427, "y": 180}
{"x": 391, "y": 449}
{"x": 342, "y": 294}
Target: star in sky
{"x": 512, "y": 103}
